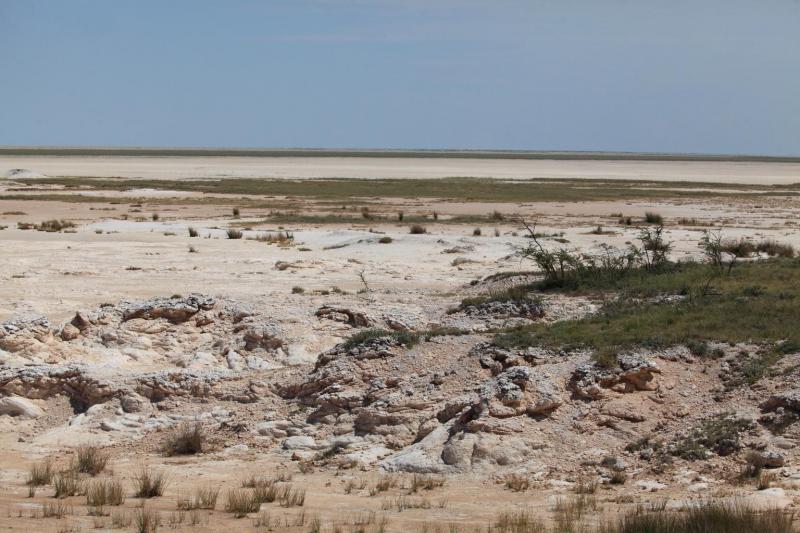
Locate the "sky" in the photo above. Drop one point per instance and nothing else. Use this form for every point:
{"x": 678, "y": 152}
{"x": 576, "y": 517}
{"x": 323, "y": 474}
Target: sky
{"x": 699, "y": 76}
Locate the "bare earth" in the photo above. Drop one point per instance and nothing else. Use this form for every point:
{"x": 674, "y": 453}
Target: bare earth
{"x": 257, "y": 358}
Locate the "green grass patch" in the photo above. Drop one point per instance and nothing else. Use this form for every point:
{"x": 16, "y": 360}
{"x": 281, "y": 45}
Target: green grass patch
{"x": 729, "y": 311}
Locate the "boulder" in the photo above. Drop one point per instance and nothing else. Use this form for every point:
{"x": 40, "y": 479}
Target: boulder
{"x": 21, "y": 407}
{"x": 632, "y": 373}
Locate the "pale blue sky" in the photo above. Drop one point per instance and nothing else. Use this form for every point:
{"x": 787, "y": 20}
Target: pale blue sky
{"x": 718, "y": 76}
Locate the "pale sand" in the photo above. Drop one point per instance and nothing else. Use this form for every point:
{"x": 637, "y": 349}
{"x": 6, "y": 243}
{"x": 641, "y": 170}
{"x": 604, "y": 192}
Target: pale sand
{"x": 364, "y": 167}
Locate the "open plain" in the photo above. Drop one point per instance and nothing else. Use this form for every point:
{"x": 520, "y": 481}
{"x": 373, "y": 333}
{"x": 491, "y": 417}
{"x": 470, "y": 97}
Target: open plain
{"x": 395, "y": 344}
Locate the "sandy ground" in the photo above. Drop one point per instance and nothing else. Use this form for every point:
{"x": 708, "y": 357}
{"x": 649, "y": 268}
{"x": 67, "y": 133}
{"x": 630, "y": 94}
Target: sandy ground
{"x": 355, "y": 167}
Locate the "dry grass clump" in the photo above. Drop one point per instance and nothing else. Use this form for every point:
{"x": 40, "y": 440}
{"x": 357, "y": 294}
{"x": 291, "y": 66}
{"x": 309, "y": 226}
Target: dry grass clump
{"x": 89, "y": 460}
{"x": 262, "y": 480}
{"x": 477, "y": 232}
{"x": 103, "y": 492}
{"x": 417, "y": 229}
{"x": 68, "y": 483}
{"x": 281, "y": 237}
{"x": 40, "y": 473}
{"x": 382, "y": 485}
{"x": 518, "y": 522}
{"x": 568, "y": 511}
{"x": 291, "y": 497}
{"x": 146, "y": 520}
{"x": 149, "y": 483}
{"x": 188, "y": 439}
{"x": 193, "y": 232}
{"x": 517, "y": 483}
{"x": 425, "y": 482}
{"x": 234, "y": 233}
{"x": 57, "y": 509}
{"x": 240, "y": 503}
{"x": 53, "y": 226}
{"x": 202, "y": 498}
{"x": 774, "y": 248}
{"x": 705, "y": 517}
{"x": 583, "y": 486}
{"x": 121, "y": 519}
{"x": 401, "y": 503}
{"x": 385, "y": 239}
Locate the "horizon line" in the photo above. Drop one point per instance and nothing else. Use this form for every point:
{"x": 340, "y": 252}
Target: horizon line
{"x": 466, "y": 153}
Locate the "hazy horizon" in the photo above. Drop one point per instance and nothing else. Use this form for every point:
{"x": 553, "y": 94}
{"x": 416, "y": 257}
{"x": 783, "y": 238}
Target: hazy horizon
{"x": 576, "y": 76}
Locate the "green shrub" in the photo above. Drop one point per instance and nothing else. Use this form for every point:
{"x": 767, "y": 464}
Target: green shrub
{"x": 653, "y": 218}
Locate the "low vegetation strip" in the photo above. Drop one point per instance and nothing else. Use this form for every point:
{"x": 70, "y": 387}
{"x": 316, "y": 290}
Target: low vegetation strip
{"x": 757, "y": 301}
{"x": 455, "y": 188}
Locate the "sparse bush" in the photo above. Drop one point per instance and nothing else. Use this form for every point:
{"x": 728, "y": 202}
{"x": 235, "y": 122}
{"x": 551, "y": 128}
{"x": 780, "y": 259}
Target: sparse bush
{"x": 400, "y": 216}
{"x": 476, "y": 232}
{"x": 188, "y": 439}
{"x": 417, "y": 229}
{"x": 498, "y": 216}
{"x": 697, "y": 347}
{"x": 193, "y": 232}
{"x": 298, "y": 290}
{"x": 155, "y": 217}
{"x": 236, "y": 212}
{"x": 149, "y": 483}
{"x": 653, "y": 218}
{"x": 385, "y": 240}
{"x": 234, "y": 233}
{"x": 90, "y": 460}
{"x": 719, "y": 434}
